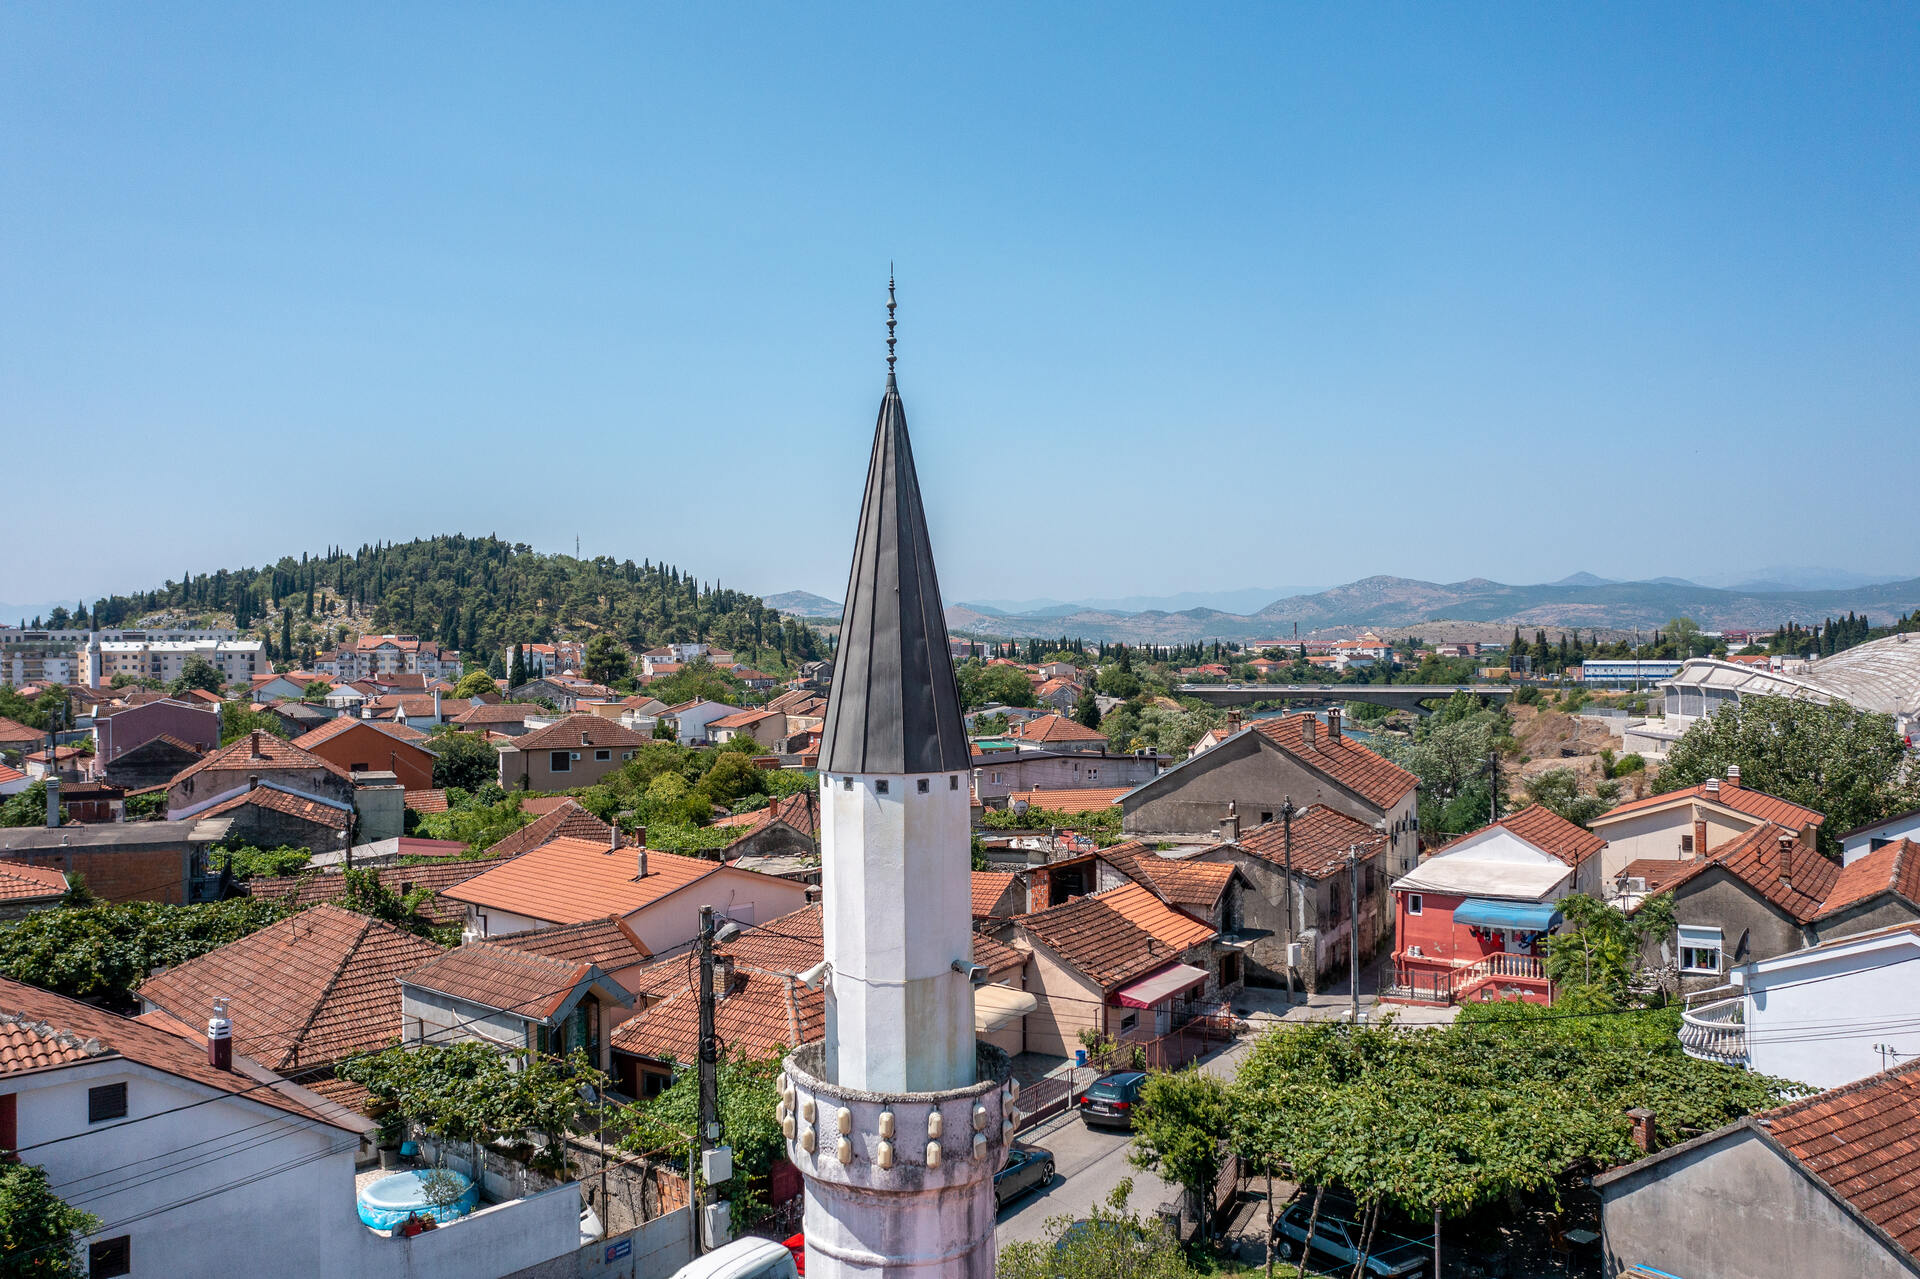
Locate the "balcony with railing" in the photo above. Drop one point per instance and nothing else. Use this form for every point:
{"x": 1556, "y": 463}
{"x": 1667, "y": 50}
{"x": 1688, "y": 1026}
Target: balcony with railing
{"x": 1715, "y": 1029}
{"x": 1500, "y": 976}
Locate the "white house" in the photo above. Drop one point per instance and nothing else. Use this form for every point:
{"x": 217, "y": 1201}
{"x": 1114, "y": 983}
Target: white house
{"x": 1861, "y": 840}
{"x": 690, "y": 719}
{"x": 1826, "y": 1015}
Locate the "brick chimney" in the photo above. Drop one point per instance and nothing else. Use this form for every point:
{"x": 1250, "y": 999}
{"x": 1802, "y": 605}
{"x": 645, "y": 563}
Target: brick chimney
{"x": 1230, "y": 826}
{"x": 1333, "y": 723}
{"x": 1783, "y": 850}
{"x": 1233, "y": 720}
{"x": 1733, "y": 777}
{"x": 1642, "y": 1121}
{"x": 253, "y": 745}
{"x": 219, "y": 1037}
{"x": 722, "y": 975}
{"x": 1699, "y": 833}
{"x": 1310, "y": 732}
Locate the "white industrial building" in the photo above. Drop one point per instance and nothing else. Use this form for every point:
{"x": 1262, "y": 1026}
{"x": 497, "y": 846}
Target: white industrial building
{"x": 1882, "y": 676}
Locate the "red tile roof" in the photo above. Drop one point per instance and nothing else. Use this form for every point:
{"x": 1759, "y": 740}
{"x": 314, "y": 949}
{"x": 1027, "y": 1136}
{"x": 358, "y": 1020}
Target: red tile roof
{"x": 1863, "y": 1142}
{"x": 275, "y": 800}
{"x": 1754, "y": 858}
{"x": 1196, "y": 886}
{"x": 800, "y": 811}
{"x": 989, "y": 886}
{"x": 572, "y": 880}
{"x": 127, "y": 1037}
{"x": 565, "y": 820}
{"x": 532, "y": 986}
{"x": 27, "y": 1044}
{"x": 1742, "y": 799}
{"x": 1547, "y": 831}
{"x": 1657, "y": 873}
{"x": 742, "y": 719}
{"x": 314, "y": 988}
{"x": 1321, "y": 837}
{"x": 1087, "y": 799}
{"x": 501, "y": 713}
{"x": 1115, "y": 936}
{"x": 256, "y": 751}
{"x": 541, "y": 805}
{"x": 1343, "y": 759}
{"x": 1891, "y": 868}
{"x": 313, "y": 888}
{"x": 23, "y": 883}
{"x": 1056, "y": 728}
{"x": 607, "y": 943}
{"x": 13, "y": 731}
{"x": 579, "y": 730}
{"x": 427, "y": 801}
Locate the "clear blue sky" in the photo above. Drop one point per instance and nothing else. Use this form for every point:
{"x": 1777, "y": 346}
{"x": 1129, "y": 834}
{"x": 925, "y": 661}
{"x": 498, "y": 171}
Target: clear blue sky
{"x": 1197, "y": 298}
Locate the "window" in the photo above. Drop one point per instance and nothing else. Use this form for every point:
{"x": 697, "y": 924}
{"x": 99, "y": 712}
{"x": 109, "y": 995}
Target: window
{"x": 1129, "y": 1021}
{"x": 1093, "y": 774}
{"x": 109, "y": 1257}
{"x": 108, "y": 1101}
{"x": 1265, "y": 818}
{"x": 953, "y": 783}
{"x": 924, "y": 786}
{"x": 1699, "y": 949}
{"x": 603, "y": 757}
{"x": 1415, "y": 903}
{"x": 559, "y": 762}
{"x": 1686, "y": 843}
{"x": 846, "y": 783}
{"x": 880, "y": 788}
{"x": 1875, "y": 844}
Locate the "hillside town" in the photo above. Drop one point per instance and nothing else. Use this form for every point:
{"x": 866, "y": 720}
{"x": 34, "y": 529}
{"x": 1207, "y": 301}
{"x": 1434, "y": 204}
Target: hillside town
{"x": 582, "y": 955}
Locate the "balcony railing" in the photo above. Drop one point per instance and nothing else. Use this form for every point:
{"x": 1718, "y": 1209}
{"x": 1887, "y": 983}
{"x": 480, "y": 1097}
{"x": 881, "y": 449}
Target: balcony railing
{"x": 1716, "y": 1031}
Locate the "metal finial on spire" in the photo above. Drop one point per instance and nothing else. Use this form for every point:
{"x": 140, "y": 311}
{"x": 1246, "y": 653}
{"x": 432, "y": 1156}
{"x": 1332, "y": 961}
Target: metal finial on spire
{"x": 891, "y": 305}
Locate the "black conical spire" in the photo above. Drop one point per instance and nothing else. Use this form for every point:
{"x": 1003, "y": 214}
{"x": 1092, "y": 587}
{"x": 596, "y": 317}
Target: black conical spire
{"x": 895, "y": 707}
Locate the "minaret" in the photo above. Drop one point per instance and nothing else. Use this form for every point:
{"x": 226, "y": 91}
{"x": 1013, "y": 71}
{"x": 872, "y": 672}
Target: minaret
{"x": 899, "y": 1119}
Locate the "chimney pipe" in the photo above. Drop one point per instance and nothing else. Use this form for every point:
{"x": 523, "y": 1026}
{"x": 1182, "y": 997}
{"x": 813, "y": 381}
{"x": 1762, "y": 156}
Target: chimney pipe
{"x": 1733, "y": 777}
{"x": 1309, "y": 731}
{"x": 1230, "y": 828}
{"x": 1233, "y": 720}
{"x": 613, "y": 839}
{"x": 642, "y": 859}
{"x": 1713, "y": 786}
{"x": 1333, "y": 723}
{"x": 1642, "y": 1121}
{"x": 253, "y": 740}
{"x": 219, "y": 1037}
{"x": 1699, "y": 834}
{"x": 1785, "y": 847}
{"x": 436, "y": 703}
{"x": 53, "y": 798}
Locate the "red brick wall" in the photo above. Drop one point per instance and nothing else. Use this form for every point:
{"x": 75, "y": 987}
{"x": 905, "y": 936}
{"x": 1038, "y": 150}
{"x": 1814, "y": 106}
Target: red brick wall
{"x": 152, "y": 875}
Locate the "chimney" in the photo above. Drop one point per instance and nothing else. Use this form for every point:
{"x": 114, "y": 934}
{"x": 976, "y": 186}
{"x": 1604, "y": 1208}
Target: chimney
{"x": 253, "y": 745}
{"x": 1713, "y": 787}
{"x": 1309, "y": 731}
{"x": 436, "y": 703}
{"x": 1699, "y": 834}
{"x": 1785, "y": 848}
{"x": 53, "y": 798}
{"x": 219, "y": 1037}
{"x": 613, "y": 839}
{"x": 642, "y": 861}
{"x": 1230, "y": 828}
{"x": 1333, "y": 723}
{"x": 1233, "y": 721}
{"x": 1733, "y": 777}
{"x": 722, "y": 975}
{"x": 1642, "y": 1121}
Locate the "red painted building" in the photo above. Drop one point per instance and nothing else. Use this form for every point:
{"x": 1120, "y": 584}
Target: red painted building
{"x": 1471, "y": 920}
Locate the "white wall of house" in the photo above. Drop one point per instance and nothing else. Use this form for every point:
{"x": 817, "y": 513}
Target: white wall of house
{"x": 1859, "y": 844}
{"x": 1815, "y": 1015}
{"x": 1656, "y": 836}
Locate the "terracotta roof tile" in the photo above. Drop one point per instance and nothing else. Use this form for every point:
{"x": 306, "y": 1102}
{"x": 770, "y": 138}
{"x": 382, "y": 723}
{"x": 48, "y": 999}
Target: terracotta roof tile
{"x": 570, "y": 881}
{"x": 761, "y": 1011}
{"x": 742, "y": 719}
{"x": 1547, "y": 831}
{"x": 1089, "y": 799}
{"x": 801, "y": 811}
{"x": 565, "y": 820}
{"x": 1193, "y": 885}
{"x": 427, "y": 801}
{"x": 995, "y": 955}
{"x": 1754, "y": 858}
{"x": 1056, "y": 728}
{"x": 541, "y": 805}
{"x": 314, "y": 988}
{"x": 27, "y": 1044}
{"x": 989, "y": 886}
{"x": 312, "y": 889}
{"x": 1657, "y": 873}
{"x": 273, "y": 752}
{"x": 1345, "y": 760}
{"x": 498, "y": 713}
{"x": 275, "y": 800}
{"x": 578, "y": 730}
{"x": 1863, "y": 1141}
{"x": 20, "y": 882}
{"x": 1891, "y": 868}
{"x": 1321, "y": 837}
{"x": 607, "y": 943}
{"x": 1741, "y": 799}
{"x": 529, "y": 985}
{"x": 1118, "y": 934}
{"x": 14, "y": 732}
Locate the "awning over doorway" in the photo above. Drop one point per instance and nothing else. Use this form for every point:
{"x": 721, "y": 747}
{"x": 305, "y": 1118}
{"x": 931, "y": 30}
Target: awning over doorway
{"x": 1154, "y": 987}
{"x": 995, "y": 1006}
{"x": 1526, "y": 917}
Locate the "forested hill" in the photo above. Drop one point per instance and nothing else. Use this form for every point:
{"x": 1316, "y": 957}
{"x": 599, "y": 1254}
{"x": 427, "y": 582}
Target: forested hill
{"x": 477, "y": 594}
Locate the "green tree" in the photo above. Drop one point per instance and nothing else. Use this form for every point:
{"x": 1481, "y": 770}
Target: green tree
{"x": 748, "y": 1091}
{"x": 1113, "y": 1243}
{"x": 699, "y": 679}
{"x": 1086, "y": 711}
{"x": 984, "y": 685}
{"x": 517, "y": 674}
{"x": 1683, "y": 633}
{"x": 732, "y": 778}
{"x": 1848, "y": 764}
{"x": 246, "y": 861}
{"x": 1180, "y": 1131}
{"x": 466, "y": 760}
{"x": 316, "y": 690}
{"x": 607, "y": 660}
{"x": 1594, "y": 958}
{"x": 27, "y": 808}
{"x": 1558, "y": 789}
{"x": 474, "y": 684}
{"x": 198, "y": 673}
{"x": 40, "y": 1232}
{"x": 102, "y": 952}
{"x": 364, "y": 894}
{"x": 237, "y": 719}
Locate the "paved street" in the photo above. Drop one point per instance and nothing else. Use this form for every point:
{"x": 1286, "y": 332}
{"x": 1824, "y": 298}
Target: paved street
{"x": 1089, "y": 1163}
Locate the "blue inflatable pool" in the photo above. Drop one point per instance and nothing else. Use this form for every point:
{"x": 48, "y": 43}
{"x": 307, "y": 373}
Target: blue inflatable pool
{"x": 388, "y": 1202}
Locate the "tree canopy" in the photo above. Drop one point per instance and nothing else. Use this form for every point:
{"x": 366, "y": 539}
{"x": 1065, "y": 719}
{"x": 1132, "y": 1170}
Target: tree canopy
{"x": 1112, "y": 1243}
{"x": 466, "y": 760}
{"x": 39, "y": 1231}
{"x": 1849, "y": 764}
{"x": 197, "y": 672}
{"x": 100, "y": 953}
{"x": 748, "y": 1090}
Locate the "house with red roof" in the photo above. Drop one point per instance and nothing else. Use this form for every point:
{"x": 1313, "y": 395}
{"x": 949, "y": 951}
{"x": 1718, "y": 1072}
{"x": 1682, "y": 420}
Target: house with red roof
{"x": 1288, "y": 757}
{"x": 25, "y": 888}
{"x": 1829, "y": 1185}
{"x": 1058, "y": 733}
{"x": 577, "y": 750}
{"x": 1470, "y": 921}
{"x": 254, "y": 760}
{"x": 368, "y": 746}
{"x": 1685, "y": 823}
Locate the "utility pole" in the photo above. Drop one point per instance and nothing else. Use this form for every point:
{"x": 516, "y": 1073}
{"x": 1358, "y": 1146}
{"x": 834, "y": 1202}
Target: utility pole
{"x": 1493, "y": 786}
{"x": 709, "y": 1120}
{"x": 1286, "y": 828}
{"x": 1353, "y": 928}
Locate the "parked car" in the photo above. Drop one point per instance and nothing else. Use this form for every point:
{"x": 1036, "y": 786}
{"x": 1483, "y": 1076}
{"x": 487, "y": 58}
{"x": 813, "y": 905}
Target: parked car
{"x": 1337, "y": 1233}
{"x": 797, "y": 1245}
{"x": 742, "y": 1259}
{"x": 1109, "y": 1101}
{"x": 1028, "y": 1168}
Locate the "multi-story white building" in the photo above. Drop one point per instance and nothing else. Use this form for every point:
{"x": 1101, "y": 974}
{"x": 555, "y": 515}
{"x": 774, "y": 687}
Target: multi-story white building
{"x": 372, "y": 655}
{"x": 68, "y": 657}
{"x": 238, "y": 660}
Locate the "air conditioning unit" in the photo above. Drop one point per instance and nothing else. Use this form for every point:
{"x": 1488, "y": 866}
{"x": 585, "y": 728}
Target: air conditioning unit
{"x": 573, "y": 755}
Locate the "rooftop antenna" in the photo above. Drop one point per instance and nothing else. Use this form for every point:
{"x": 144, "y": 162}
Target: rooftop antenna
{"x": 891, "y": 307}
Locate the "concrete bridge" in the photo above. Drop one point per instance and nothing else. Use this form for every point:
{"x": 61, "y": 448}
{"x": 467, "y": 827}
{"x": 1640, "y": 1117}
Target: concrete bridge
{"x": 1405, "y": 697}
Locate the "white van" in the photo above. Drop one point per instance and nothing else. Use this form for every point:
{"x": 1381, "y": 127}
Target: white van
{"x": 742, "y": 1259}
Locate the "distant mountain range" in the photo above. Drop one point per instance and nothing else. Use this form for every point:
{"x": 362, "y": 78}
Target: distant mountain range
{"x": 804, "y": 604}
{"x": 1582, "y": 600}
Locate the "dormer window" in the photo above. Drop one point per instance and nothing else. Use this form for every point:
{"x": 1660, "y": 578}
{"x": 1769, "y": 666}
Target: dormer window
{"x": 584, "y": 741}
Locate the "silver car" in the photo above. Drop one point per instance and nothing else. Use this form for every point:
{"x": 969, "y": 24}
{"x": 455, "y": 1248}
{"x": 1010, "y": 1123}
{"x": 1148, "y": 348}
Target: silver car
{"x": 1337, "y": 1233}
{"x": 1028, "y": 1168}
